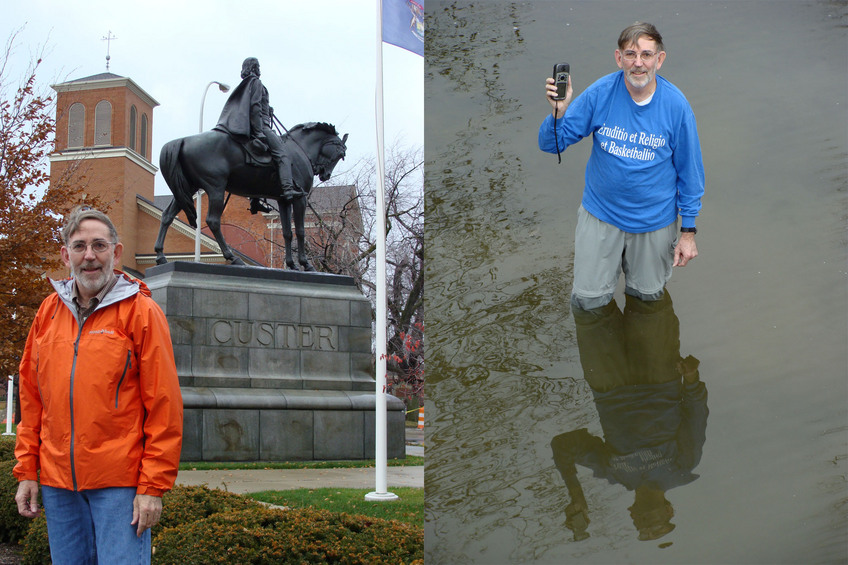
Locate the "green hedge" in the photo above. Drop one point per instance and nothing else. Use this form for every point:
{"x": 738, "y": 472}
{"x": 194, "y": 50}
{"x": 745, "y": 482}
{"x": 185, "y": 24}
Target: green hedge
{"x": 184, "y": 504}
{"x": 206, "y": 526}
{"x": 13, "y": 526}
{"x": 35, "y": 544}
{"x": 180, "y": 506}
{"x": 7, "y": 447}
{"x": 300, "y": 535}
{"x": 201, "y": 525}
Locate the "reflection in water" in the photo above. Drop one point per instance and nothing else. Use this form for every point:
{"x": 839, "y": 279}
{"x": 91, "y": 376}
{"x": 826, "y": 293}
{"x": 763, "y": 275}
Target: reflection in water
{"x": 763, "y": 309}
{"x": 652, "y": 407}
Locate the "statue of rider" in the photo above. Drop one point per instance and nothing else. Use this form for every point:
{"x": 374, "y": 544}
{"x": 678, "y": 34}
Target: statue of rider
{"x": 247, "y": 116}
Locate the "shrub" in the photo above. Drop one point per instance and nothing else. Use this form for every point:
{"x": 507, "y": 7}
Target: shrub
{"x": 179, "y": 506}
{"x": 7, "y": 447}
{"x": 206, "y": 526}
{"x": 301, "y": 535}
{"x": 13, "y": 526}
{"x": 184, "y": 504}
{"x": 36, "y": 547}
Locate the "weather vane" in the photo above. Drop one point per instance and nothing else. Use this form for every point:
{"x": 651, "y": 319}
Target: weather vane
{"x": 108, "y": 39}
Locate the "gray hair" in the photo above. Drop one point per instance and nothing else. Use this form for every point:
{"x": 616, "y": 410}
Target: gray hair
{"x": 79, "y": 215}
{"x": 632, "y": 33}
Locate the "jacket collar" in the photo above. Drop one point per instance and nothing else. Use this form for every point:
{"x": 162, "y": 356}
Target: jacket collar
{"x": 124, "y": 288}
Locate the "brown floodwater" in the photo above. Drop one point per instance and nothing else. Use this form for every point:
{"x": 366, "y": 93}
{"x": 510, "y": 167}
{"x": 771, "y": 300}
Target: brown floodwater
{"x": 762, "y": 312}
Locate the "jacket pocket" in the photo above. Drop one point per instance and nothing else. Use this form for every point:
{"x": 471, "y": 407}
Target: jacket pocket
{"x": 127, "y": 367}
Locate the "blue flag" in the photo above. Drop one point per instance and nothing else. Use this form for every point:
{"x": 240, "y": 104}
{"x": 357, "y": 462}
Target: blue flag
{"x": 403, "y": 24}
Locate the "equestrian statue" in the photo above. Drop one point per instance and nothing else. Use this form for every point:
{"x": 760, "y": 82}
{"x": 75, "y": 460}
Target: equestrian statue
{"x": 243, "y": 155}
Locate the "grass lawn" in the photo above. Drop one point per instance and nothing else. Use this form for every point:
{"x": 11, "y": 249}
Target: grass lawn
{"x": 410, "y": 461}
{"x": 408, "y": 508}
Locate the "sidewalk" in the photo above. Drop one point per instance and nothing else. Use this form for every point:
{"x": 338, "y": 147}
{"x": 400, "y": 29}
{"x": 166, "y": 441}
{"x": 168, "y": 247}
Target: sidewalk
{"x": 254, "y": 480}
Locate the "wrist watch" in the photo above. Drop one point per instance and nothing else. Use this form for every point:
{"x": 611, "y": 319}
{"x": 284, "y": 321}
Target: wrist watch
{"x": 688, "y": 230}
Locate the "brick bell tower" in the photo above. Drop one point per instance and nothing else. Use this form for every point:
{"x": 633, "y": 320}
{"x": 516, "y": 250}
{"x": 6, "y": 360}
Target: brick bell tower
{"x": 104, "y": 125}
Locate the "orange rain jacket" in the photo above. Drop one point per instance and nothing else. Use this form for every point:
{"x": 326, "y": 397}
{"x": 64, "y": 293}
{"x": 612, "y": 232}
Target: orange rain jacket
{"x": 100, "y": 404}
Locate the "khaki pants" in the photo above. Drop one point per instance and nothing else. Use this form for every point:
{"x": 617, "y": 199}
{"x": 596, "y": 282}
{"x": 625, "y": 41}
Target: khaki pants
{"x": 602, "y": 252}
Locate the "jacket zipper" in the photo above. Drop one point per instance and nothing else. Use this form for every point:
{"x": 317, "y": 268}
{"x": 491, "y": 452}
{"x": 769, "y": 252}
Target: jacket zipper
{"x": 73, "y": 372}
{"x": 80, "y": 323}
{"x": 127, "y": 366}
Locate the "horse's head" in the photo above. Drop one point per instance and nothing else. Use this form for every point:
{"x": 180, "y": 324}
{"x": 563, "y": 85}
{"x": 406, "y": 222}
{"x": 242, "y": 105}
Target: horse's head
{"x": 332, "y": 151}
{"x": 321, "y": 142}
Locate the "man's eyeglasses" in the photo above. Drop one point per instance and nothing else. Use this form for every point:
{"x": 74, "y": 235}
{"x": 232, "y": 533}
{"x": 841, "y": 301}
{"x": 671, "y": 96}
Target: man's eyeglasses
{"x": 98, "y": 246}
{"x": 644, "y": 55}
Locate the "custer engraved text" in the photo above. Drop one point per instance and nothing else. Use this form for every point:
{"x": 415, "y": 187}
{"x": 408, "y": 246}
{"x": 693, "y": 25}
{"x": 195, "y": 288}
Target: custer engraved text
{"x": 247, "y": 333}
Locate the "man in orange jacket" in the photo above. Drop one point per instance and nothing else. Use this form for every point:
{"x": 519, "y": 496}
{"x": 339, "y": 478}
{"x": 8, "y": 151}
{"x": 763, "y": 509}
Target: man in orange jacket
{"x": 101, "y": 410}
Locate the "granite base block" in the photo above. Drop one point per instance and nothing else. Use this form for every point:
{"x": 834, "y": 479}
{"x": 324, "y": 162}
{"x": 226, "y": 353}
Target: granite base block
{"x": 280, "y": 425}
{"x": 273, "y": 364}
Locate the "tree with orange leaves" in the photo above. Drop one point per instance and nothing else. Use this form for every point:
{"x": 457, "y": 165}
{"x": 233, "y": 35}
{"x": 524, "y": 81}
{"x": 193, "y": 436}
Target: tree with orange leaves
{"x": 32, "y": 206}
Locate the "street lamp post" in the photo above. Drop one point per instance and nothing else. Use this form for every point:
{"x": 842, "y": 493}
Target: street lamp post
{"x": 199, "y": 194}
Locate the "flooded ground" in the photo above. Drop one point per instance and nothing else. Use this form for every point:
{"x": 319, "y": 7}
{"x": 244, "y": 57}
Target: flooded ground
{"x": 762, "y": 312}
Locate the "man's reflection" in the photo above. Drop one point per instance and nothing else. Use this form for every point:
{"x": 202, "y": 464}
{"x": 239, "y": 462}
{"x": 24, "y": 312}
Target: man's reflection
{"x": 652, "y": 407}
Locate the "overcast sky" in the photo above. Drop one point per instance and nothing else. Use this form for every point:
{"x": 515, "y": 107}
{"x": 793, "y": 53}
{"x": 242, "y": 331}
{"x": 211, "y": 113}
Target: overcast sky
{"x": 318, "y": 61}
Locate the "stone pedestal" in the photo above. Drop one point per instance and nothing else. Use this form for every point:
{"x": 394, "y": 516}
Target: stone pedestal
{"x": 273, "y": 365}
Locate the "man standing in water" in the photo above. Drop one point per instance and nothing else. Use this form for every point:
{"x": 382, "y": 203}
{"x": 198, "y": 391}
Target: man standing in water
{"x": 644, "y": 170}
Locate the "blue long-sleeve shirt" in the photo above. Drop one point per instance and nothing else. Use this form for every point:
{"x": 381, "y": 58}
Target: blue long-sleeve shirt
{"x": 646, "y": 165}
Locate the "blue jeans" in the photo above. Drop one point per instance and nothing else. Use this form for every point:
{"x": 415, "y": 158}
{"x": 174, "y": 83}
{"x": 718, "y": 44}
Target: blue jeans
{"x": 92, "y": 527}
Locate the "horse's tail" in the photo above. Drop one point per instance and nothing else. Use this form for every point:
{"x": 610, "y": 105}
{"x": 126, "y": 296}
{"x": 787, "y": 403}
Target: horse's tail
{"x": 181, "y": 188}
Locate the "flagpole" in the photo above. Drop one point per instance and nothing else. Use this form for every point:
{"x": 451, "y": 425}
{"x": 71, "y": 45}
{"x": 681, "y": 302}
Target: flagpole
{"x": 380, "y": 457}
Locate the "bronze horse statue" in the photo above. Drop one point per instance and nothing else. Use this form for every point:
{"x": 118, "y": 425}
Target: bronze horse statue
{"x": 218, "y": 164}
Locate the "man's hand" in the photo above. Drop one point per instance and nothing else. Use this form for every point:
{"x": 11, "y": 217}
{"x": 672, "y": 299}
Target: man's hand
{"x": 558, "y": 105}
{"x": 147, "y": 510}
{"x": 686, "y": 250}
{"x": 688, "y": 368}
{"x": 27, "y": 499}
